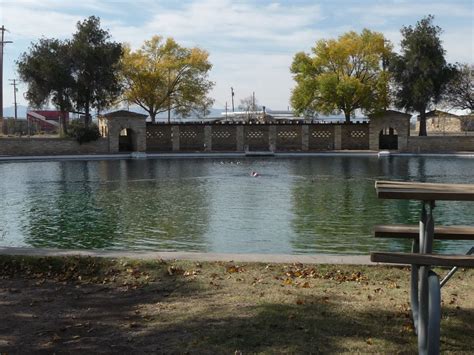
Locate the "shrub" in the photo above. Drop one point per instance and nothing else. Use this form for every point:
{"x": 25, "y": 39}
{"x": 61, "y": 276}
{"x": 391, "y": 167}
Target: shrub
{"x": 82, "y": 134}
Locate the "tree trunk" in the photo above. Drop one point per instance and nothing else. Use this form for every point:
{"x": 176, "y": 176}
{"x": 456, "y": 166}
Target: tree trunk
{"x": 348, "y": 116}
{"x": 87, "y": 118}
{"x": 169, "y": 110}
{"x": 153, "y": 117}
{"x": 422, "y": 131}
{"x": 63, "y": 129}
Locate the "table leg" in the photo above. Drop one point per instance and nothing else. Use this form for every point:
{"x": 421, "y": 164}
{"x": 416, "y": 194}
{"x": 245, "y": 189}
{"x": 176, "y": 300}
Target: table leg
{"x": 423, "y": 314}
{"x": 434, "y": 309}
{"x": 426, "y": 246}
{"x": 415, "y": 275}
{"x": 414, "y": 286}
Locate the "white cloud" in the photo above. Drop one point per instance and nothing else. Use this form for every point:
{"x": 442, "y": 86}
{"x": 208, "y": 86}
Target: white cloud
{"x": 64, "y": 5}
{"x": 33, "y": 24}
{"x": 266, "y": 74}
{"x": 251, "y": 43}
{"x": 459, "y": 44}
{"x": 223, "y": 22}
{"x": 411, "y": 8}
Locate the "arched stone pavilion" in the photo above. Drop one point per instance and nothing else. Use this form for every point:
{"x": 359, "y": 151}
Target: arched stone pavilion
{"x": 389, "y": 130}
{"x": 125, "y": 130}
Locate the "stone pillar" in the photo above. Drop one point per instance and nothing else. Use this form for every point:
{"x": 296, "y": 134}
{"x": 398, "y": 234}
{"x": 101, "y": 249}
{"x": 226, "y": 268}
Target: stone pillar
{"x": 239, "y": 131}
{"x": 305, "y": 137}
{"x": 402, "y": 142}
{"x": 140, "y": 136}
{"x": 272, "y": 137}
{"x": 114, "y": 139}
{"x": 207, "y": 138}
{"x": 374, "y": 137}
{"x": 338, "y": 137}
{"x": 175, "y": 138}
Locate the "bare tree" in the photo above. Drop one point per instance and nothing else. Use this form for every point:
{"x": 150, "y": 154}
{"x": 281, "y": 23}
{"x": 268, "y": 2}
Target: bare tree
{"x": 460, "y": 91}
{"x": 250, "y": 105}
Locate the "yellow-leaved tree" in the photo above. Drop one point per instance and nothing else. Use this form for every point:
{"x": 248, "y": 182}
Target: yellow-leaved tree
{"x": 164, "y": 76}
{"x": 343, "y": 75}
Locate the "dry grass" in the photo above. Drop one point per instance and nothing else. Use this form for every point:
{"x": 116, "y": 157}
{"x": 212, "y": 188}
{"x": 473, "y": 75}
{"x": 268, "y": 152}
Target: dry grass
{"x": 104, "y": 305}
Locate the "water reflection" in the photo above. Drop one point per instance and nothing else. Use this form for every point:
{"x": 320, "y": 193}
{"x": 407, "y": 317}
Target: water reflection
{"x": 118, "y": 205}
{"x": 345, "y": 204}
{"x": 301, "y": 205}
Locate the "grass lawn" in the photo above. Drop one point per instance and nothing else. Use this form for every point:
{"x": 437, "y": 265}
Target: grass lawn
{"x": 92, "y": 305}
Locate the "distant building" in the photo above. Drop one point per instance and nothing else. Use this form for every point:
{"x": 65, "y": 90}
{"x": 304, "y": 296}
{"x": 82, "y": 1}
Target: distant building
{"x": 47, "y": 121}
{"x": 467, "y": 122}
{"x": 440, "y": 122}
{"x": 283, "y": 115}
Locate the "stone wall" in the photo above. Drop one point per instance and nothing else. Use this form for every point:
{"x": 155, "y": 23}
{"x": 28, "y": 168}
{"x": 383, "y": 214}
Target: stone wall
{"x": 289, "y": 138}
{"x": 439, "y": 144}
{"x": 321, "y": 137}
{"x": 355, "y": 137}
{"x": 280, "y": 137}
{"x": 441, "y": 124}
{"x": 191, "y": 138}
{"x": 256, "y": 137}
{"x": 51, "y": 146}
{"x": 223, "y": 138}
{"x": 158, "y": 138}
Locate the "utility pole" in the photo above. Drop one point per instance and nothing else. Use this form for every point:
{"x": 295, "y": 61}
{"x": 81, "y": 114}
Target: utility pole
{"x": 253, "y": 101}
{"x": 2, "y": 43}
{"x": 226, "y": 110}
{"x": 14, "y": 83}
{"x": 232, "y": 93}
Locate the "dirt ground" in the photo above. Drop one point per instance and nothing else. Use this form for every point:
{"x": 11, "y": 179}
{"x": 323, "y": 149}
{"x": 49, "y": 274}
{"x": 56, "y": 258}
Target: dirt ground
{"x": 87, "y": 305}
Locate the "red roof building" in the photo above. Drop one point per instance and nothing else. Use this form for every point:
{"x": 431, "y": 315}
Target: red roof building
{"x": 47, "y": 121}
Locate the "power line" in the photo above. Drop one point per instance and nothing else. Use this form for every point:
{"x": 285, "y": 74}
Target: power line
{"x": 2, "y": 43}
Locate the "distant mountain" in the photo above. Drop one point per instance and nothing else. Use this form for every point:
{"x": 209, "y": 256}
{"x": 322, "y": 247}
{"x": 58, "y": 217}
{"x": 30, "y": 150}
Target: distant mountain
{"x": 21, "y": 111}
{"x": 10, "y": 111}
{"x": 214, "y": 112}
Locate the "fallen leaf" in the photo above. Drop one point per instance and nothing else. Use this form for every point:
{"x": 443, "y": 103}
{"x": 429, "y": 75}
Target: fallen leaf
{"x": 234, "y": 268}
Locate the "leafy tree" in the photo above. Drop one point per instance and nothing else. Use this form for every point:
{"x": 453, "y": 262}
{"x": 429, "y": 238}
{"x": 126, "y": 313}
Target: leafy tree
{"x": 77, "y": 74}
{"x": 164, "y": 76}
{"x": 421, "y": 73}
{"x": 460, "y": 91}
{"x": 95, "y": 66}
{"x": 343, "y": 75}
{"x": 46, "y": 70}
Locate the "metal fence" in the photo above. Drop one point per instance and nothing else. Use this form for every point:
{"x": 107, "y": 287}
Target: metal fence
{"x": 20, "y": 127}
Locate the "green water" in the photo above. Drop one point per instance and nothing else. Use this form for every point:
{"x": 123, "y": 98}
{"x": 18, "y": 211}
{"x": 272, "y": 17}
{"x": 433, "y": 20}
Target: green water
{"x": 298, "y": 205}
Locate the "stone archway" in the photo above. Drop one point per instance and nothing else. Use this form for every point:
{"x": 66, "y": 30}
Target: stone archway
{"x": 399, "y": 122}
{"x": 127, "y": 141}
{"x": 388, "y": 138}
{"x": 126, "y": 131}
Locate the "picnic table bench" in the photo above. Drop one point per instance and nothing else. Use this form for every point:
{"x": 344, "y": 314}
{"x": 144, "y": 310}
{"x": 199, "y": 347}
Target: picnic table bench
{"x": 425, "y": 295}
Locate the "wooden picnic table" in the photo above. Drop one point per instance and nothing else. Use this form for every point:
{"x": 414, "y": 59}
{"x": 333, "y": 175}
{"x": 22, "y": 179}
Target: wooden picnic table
{"x": 425, "y": 285}
{"x": 424, "y": 191}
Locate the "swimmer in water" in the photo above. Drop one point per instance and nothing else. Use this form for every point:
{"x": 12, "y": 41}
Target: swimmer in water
{"x": 254, "y": 174}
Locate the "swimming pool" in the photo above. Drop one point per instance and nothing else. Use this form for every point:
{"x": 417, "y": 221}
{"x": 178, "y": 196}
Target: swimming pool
{"x": 324, "y": 204}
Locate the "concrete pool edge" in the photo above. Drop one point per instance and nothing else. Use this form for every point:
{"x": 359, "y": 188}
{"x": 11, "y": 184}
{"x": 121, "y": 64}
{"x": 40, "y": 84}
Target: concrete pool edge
{"x": 194, "y": 256}
{"x": 361, "y": 153}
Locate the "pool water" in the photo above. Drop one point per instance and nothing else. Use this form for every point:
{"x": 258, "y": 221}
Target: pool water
{"x": 324, "y": 204}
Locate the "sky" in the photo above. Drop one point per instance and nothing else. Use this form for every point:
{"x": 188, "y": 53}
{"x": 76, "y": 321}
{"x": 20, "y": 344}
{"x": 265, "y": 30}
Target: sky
{"x": 251, "y": 43}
